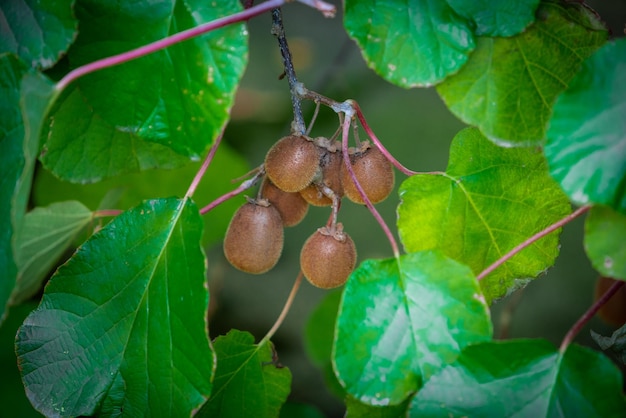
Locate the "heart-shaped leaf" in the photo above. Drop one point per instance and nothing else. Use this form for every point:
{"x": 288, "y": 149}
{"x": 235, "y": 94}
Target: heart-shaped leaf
{"x": 497, "y": 17}
{"x": 605, "y": 241}
{"x": 401, "y": 320}
{"x": 122, "y": 325}
{"x": 488, "y": 201}
{"x": 586, "y": 146}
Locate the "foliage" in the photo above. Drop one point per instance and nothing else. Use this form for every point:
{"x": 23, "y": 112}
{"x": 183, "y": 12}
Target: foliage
{"x": 121, "y": 328}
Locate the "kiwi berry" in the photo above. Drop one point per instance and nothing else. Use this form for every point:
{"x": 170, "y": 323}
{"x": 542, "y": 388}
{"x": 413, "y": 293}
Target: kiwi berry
{"x": 330, "y": 165}
{"x": 374, "y": 173}
{"x": 292, "y": 162}
{"x": 328, "y": 257}
{"x": 291, "y": 206}
{"x": 254, "y": 238}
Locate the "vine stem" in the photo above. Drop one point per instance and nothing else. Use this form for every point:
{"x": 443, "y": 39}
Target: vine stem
{"x": 242, "y": 187}
{"x": 346, "y": 159}
{"x": 207, "y": 161}
{"x": 285, "y": 311}
{"x": 593, "y": 309}
{"x": 326, "y": 8}
{"x": 532, "y": 240}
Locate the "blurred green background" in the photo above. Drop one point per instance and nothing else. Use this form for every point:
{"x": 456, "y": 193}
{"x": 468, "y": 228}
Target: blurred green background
{"x": 414, "y": 125}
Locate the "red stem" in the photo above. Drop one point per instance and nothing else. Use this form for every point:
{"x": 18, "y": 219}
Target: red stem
{"x": 103, "y": 213}
{"x": 205, "y": 165}
{"x": 586, "y": 317}
{"x": 242, "y": 187}
{"x": 368, "y": 203}
{"x": 532, "y": 240}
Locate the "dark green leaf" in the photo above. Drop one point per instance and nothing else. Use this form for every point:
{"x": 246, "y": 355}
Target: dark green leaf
{"x": 38, "y": 31}
{"x": 25, "y": 100}
{"x": 497, "y": 17}
{"x": 616, "y": 343}
{"x": 586, "y": 147}
{"x": 356, "y": 409}
{"x": 318, "y": 339}
{"x": 122, "y": 325}
{"x": 45, "y": 234}
{"x": 299, "y": 410}
{"x": 130, "y": 117}
{"x": 248, "y": 381}
{"x": 509, "y": 85}
{"x": 409, "y": 43}
{"x": 488, "y": 201}
{"x": 226, "y": 166}
{"x": 523, "y": 378}
{"x": 401, "y": 320}
{"x": 605, "y": 241}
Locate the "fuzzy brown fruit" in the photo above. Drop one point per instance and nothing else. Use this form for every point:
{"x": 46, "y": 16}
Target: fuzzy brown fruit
{"x": 374, "y": 173}
{"x": 330, "y": 164}
{"x": 254, "y": 238}
{"x": 328, "y": 257}
{"x": 292, "y": 162}
{"x": 291, "y": 206}
{"x": 614, "y": 310}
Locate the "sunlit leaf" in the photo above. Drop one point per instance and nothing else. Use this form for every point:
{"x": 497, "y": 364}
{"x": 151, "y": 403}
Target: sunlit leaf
{"x": 497, "y": 17}
{"x": 122, "y": 325}
{"x": 410, "y": 44}
{"x": 130, "y": 117}
{"x": 605, "y": 241}
{"x": 523, "y": 378}
{"x": 401, "y": 320}
{"x": 42, "y": 238}
{"x": 586, "y": 146}
{"x": 38, "y": 31}
{"x": 218, "y": 180}
{"x": 25, "y": 99}
{"x": 488, "y": 201}
{"x": 509, "y": 85}
{"x": 248, "y": 380}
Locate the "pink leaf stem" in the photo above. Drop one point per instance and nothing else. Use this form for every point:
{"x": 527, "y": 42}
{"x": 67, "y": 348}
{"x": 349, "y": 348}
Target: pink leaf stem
{"x": 205, "y": 165}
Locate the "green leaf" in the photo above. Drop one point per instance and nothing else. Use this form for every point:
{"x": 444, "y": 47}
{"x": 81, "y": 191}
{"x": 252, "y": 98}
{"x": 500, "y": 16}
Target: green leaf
{"x": 497, "y": 18}
{"x": 122, "y": 325}
{"x": 508, "y": 86}
{"x": 25, "y": 100}
{"x": 248, "y": 380}
{"x": 401, "y": 320}
{"x": 616, "y": 343}
{"x": 44, "y": 236}
{"x": 488, "y": 201}
{"x": 356, "y": 409}
{"x": 130, "y": 117}
{"x": 605, "y": 235}
{"x": 38, "y": 31}
{"x": 409, "y": 43}
{"x": 226, "y": 166}
{"x": 523, "y": 378}
{"x": 299, "y": 410}
{"x": 586, "y": 146}
{"x": 319, "y": 334}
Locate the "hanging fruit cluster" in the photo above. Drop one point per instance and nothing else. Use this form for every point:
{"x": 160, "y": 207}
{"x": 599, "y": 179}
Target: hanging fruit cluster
{"x": 301, "y": 171}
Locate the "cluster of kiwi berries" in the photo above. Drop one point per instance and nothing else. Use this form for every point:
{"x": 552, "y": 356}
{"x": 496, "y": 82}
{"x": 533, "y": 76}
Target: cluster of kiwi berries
{"x": 302, "y": 171}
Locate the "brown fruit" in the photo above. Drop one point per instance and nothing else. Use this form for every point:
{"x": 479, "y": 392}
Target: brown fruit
{"x": 254, "y": 239}
{"x": 328, "y": 257}
{"x": 330, "y": 164}
{"x": 291, "y": 206}
{"x": 374, "y": 173}
{"x": 614, "y": 310}
{"x": 292, "y": 163}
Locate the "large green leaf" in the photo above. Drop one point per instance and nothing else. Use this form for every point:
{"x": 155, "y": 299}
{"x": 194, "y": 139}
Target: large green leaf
{"x": 25, "y": 100}
{"x": 43, "y": 237}
{"x": 605, "y": 241}
{"x": 131, "y": 117}
{"x": 586, "y": 146}
{"x": 226, "y": 166}
{"x": 401, "y": 320}
{"x": 523, "y": 378}
{"x": 122, "y": 325}
{"x": 248, "y": 380}
{"x": 497, "y": 17}
{"x": 488, "y": 201}
{"x": 508, "y": 86}
{"x": 409, "y": 43}
{"x": 38, "y": 31}
{"x": 356, "y": 409}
